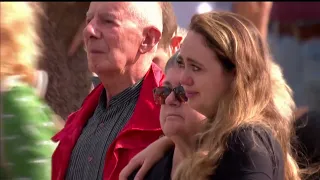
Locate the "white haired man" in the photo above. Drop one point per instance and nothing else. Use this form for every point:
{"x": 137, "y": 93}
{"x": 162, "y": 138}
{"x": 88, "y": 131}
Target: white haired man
{"x": 118, "y": 118}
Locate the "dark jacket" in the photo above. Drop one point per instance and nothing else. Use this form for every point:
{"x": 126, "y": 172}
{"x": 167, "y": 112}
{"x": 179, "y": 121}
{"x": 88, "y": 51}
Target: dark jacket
{"x": 252, "y": 153}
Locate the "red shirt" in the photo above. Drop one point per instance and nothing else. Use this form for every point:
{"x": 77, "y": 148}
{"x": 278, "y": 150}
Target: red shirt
{"x": 142, "y": 129}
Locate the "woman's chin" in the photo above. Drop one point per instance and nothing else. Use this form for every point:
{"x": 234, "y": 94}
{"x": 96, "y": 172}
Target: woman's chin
{"x": 172, "y": 129}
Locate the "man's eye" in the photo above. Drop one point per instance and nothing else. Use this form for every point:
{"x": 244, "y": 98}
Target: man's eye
{"x": 107, "y": 21}
{"x": 195, "y": 68}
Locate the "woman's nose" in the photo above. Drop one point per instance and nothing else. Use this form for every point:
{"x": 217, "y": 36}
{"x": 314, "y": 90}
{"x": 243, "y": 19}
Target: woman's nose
{"x": 172, "y": 100}
{"x": 185, "y": 78}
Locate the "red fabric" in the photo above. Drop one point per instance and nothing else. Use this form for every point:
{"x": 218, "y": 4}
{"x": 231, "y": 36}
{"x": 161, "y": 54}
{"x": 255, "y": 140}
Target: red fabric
{"x": 142, "y": 129}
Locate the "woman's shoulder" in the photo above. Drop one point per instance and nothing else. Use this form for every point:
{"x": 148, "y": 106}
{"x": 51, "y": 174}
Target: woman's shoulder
{"x": 251, "y": 149}
{"x": 253, "y": 138}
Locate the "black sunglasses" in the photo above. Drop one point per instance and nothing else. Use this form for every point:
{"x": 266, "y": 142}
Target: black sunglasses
{"x": 160, "y": 94}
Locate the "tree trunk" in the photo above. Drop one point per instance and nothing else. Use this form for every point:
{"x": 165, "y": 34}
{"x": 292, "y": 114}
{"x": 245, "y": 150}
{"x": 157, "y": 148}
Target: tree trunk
{"x": 69, "y": 77}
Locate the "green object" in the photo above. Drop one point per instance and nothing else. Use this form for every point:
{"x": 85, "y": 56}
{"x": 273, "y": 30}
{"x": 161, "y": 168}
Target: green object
{"x": 26, "y": 129}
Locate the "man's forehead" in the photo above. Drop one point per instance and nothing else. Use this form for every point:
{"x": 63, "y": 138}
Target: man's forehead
{"x": 172, "y": 76}
{"x": 107, "y": 7}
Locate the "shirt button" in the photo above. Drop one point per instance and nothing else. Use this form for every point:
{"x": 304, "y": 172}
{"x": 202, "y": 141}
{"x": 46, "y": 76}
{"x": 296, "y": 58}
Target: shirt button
{"x": 90, "y": 159}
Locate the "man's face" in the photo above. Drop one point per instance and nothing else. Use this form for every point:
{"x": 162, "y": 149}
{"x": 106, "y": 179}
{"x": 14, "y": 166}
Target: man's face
{"x": 112, "y": 37}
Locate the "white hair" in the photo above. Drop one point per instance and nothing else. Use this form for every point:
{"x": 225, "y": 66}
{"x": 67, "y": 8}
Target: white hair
{"x": 148, "y": 13}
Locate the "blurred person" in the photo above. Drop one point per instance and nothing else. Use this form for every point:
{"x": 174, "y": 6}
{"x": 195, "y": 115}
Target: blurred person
{"x": 257, "y": 12}
{"x": 178, "y": 122}
{"x": 118, "y": 118}
{"x": 294, "y": 40}
{"x": 185, "y": 10}
{"x": 182, "y": 32}
{"x": 26, "y": 121}
{"x": 170, "y": 41}
{"x": 162, "y": 56}
{"x": 242, "y": 112}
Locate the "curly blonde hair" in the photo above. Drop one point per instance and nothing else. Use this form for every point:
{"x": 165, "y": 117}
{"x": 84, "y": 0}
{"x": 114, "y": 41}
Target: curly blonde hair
{"x": 255, "y": 95}
{"x": 19, "y": 48}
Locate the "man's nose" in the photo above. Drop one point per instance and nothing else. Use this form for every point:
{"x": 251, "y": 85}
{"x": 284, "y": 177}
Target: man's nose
{"x": 92, "y": 30}
{"x": 172, "y": 100}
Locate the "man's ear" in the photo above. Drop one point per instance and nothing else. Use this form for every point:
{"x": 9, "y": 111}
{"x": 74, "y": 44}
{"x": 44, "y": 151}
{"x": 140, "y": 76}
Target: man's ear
{"x": 175, "y": 43}
{"x": 151, "y": 38}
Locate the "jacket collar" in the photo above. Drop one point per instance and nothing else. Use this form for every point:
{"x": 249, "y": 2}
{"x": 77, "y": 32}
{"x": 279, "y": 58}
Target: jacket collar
{"x": 152, "y": 79}
{"x": 142, "y": 118}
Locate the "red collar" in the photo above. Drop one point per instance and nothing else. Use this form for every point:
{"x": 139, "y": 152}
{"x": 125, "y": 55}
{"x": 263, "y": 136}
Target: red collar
{"x": 153, "y": 78}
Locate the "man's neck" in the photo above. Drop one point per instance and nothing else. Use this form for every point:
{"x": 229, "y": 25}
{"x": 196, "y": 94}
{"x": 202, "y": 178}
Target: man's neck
{"x": 116, "y": 83}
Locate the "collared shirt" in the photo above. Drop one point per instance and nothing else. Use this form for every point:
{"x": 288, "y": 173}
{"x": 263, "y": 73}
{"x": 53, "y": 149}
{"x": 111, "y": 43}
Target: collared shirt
{"x": 88, "y": 156}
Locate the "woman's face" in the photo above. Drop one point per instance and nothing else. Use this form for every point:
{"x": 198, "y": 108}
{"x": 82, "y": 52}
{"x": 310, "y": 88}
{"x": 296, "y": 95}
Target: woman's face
{"x": 177, "y": 118}
{"x": 202, "y": 77}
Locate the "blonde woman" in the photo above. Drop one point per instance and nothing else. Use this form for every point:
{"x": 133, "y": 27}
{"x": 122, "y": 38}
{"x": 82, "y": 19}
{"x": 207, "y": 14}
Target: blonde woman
{"x": 26, "y": 122}
{"x": 227, "y": 77}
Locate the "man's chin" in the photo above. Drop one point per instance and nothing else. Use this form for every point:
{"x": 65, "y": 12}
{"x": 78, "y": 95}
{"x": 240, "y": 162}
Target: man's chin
{"x": 103, "y": 70}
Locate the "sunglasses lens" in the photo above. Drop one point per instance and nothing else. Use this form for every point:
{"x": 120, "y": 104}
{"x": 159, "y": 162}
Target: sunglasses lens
{"x": 180, "y": 94}
{"x": 160, "y": 94}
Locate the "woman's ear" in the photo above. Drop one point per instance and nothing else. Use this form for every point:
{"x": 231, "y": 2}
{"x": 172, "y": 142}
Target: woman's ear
{"x": 151, "y": 38}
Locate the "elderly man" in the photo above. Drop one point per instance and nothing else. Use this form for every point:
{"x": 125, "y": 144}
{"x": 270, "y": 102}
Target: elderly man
{"x": 118, "y": 118}
{"x": 169, "y": 42}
